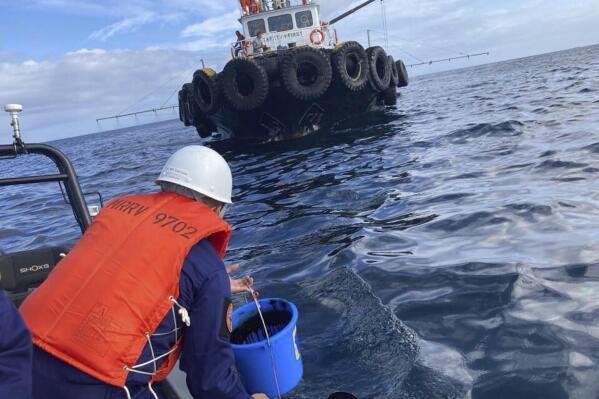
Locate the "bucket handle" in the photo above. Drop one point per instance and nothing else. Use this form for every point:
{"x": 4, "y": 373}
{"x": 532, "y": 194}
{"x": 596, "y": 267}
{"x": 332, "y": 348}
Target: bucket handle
{"x": 272, "y": 356}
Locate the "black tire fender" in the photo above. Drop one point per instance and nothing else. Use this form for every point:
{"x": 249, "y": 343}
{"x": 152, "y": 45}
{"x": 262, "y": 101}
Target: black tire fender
{"x": 192, "y": 110}
{"x": 351, "y": 66}
{"x": 270, "y": 65}
{"x": 380, "y": 70}
{"x": 244, "y": 84}
{"x": 306, "y": 73}
{"x": 402, "y": 74}
{"x": 184, "y": 107}
{"x": 389, "y": 95}
{"x": 205, "y": 128}
{"x": 206, "y": 91}
{"x": 394, "y": 72}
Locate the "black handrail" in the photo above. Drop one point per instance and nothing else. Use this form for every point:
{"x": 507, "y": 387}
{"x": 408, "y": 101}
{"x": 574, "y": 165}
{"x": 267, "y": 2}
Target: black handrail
{"x": 66, "y": 175}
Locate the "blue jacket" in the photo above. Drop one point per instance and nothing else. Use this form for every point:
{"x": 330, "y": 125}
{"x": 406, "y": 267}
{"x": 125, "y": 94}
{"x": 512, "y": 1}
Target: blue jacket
{"x": 15, "y": 353}
{"x": 207, "y": 357}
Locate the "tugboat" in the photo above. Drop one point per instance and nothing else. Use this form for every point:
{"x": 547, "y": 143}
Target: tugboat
{"x": 289, "y": 76}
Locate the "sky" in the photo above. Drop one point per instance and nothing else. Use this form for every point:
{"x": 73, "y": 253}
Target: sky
{"x": 72, "y": 61}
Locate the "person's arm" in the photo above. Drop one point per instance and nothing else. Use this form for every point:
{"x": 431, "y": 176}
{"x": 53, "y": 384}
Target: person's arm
{"x": 207, "y": 357}
{"x": 15, "y": 352}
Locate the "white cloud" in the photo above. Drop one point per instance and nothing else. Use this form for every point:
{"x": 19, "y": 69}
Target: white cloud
{"x": 131, "y": 14}
{"x": 124, "y": 25}
{"x": 96, "y": 51}
{"x": 227, "y": 22}
{"x": 75, "y": 89}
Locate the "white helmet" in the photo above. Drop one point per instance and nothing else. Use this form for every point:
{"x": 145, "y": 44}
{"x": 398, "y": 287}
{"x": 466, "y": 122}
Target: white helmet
{"x": 200, "y": 169}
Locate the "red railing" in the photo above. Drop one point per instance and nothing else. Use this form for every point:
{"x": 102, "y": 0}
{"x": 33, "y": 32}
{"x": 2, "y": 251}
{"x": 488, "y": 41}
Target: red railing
{"x": 250, "y": 7}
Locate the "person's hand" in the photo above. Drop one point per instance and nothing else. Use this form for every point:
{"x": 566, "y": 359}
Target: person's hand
{"x": 259, "y": 396}
{"x": 239, "y": 285}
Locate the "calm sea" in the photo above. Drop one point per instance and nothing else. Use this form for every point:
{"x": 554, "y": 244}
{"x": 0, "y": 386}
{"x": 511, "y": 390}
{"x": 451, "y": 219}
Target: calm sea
{"x": 448, "y": 247}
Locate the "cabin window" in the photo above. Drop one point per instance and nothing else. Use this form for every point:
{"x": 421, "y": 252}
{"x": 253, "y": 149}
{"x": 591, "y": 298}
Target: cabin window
{"x": 280, "y": 23}
{"x": 256, "y": 26}
{"x": 303, "y": 19}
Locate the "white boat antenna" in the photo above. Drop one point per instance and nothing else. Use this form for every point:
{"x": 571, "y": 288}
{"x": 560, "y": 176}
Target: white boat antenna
{"x": 449, "y": 59}
{"x": 385, "y": 25}
{"x": 13, "y": 110}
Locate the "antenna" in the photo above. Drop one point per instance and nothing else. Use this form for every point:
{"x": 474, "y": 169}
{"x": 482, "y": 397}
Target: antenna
{"x": 13, "y": 110}
{"x": 385, "y": 28}
{"x": 468, "y": 56}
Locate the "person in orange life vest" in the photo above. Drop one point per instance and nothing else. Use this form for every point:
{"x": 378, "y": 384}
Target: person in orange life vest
{"x": 255, "y": 7}
{"x": 15, "y": 353}
{"x": 143, "y": 287}
{"x": 245, "y": 6}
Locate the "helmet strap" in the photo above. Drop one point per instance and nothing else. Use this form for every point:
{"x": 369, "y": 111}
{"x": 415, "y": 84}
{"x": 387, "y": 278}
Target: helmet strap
{"x": 223, "y": 210}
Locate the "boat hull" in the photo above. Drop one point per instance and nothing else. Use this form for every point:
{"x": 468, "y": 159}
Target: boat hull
{"x": 283, "y": 117}
{"x": 281, "y": 114}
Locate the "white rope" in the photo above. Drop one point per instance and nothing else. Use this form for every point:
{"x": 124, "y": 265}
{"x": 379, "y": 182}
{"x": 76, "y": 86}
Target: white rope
{"x": 173, "y": 331}
{"x": 185, "y": 319}
{"x": 138, "y": 371}
{"x": 182, "y": 311}
{"x": 272, "y": 356}
{"x": 152, "y": 360}
{"x": 152, "y": 351}
{"x": 385, "y": 25}
{"x": 152, "y": 390}
{"x": 149, "y": 386}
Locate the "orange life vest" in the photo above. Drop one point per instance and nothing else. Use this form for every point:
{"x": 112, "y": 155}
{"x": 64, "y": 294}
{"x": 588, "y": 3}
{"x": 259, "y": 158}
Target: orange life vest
{"x": 118, "y": 282}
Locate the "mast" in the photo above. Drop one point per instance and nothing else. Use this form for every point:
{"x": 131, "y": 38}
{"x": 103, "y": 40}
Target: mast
{"x": 350, "y": 12}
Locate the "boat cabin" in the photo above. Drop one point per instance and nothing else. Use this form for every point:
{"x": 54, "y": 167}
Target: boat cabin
{"x": 281, "y": 24}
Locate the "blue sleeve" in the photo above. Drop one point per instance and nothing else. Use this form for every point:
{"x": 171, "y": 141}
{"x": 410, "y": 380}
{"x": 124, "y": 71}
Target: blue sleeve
{"x": 207, "y": 357}
{"x": 15, "y": 353}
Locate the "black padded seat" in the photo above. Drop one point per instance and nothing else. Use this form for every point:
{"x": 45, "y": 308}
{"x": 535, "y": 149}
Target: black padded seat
{"x": 20, "y": 272}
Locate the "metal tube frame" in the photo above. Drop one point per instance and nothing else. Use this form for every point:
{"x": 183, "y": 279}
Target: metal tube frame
{"x": 66, "y": 175}
{"x": 350, "y": 12}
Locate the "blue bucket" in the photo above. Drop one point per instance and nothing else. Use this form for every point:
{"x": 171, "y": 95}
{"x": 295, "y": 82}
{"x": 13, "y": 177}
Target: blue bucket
{"x": 252, "y": 354}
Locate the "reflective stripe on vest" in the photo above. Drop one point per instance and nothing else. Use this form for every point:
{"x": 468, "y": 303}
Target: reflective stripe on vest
{"x": 95, "y": 308}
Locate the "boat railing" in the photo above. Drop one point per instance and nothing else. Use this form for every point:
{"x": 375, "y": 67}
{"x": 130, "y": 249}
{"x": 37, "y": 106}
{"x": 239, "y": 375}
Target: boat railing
{"x": 324, "y": 36}
{"x": 251, "y": 7}
{"x": 66, "y": 173}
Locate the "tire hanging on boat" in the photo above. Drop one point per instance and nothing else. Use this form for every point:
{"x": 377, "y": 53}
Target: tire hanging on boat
{"x": 380, "y": 71}
{"x": 306, "y": 73}
{"x": 206, "y": 91}
{"x": 184, "y": 107}
{"x": 402, "y": 74}
{"x": 205, "y": 128}
{"x": 394, "y": 72}
{"x": 244, "y": 84}
{"x": 192, "y": 110}
{"x": 350, "y": 63}
{"x": 389, "y": 95}
{"x": 270, "y": 65}
{"x": 195, "y": 116}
